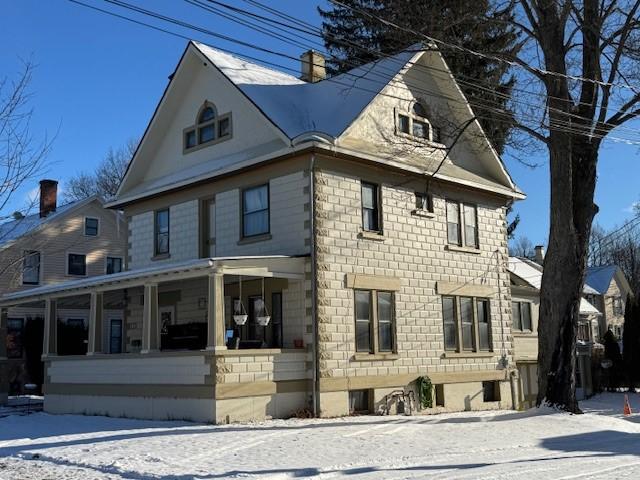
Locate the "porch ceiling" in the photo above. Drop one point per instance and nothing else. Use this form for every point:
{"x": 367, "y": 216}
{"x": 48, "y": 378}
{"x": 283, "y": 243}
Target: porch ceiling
{"x": 274, "y": 266}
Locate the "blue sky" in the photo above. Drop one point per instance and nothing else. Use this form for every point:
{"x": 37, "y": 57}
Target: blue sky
{"x": 98, "y": 80}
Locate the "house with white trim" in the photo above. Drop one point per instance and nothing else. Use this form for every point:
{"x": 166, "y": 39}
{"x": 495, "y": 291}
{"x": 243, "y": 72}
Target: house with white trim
{"x": 300, "y": 244}
{"x": 53, "y": 245}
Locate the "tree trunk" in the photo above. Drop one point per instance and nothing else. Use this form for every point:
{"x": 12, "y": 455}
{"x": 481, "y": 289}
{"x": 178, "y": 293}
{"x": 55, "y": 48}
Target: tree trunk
{"x": 573, "y": 176}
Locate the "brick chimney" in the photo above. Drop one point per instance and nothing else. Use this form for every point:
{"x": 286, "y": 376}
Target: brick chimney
{"x": 539, "y": 254}
{"x": 48, "y": 197}
{"x": 312, "y": 66}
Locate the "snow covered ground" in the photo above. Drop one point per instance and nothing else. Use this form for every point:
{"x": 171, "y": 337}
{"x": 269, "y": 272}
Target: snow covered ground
{"x": 535, "y": 444}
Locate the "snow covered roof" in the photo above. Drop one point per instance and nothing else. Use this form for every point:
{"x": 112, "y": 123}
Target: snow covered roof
{"x": 527, "y": 270}
{"x": 531, "y": 273}
{"x": 297, "y": 107}
{"x": 14, "y": 229}
{"x": 599, "y": 278}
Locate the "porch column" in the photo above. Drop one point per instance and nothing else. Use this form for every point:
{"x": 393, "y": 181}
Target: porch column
{"x": 150, "y": 320}
{"x": 4, "y": 379}
{"x": 50, "y": 344}
{"x": 95, "y": 323}
{"x": 215, "y": 313}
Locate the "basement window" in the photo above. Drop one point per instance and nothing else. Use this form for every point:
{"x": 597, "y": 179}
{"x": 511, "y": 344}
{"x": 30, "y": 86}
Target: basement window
{"x": 491, "y": 391}
{"x": 359, "y": 402}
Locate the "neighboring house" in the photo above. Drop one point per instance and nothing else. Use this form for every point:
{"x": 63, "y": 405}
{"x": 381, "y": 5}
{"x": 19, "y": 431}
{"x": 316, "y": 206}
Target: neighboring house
{"x": 526, "y": 280}
{"x": 54, "y": 245}
{"x": 300, "y": 245}
{"x": 608, "y": 292}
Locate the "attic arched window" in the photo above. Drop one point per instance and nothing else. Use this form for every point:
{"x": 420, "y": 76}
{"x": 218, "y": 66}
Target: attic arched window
{"x": 210, "y": 128}
{"x": 416, "y": 124}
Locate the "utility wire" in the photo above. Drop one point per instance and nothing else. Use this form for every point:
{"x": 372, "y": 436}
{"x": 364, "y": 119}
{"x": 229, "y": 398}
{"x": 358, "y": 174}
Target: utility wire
{"x": 564, "y": 127}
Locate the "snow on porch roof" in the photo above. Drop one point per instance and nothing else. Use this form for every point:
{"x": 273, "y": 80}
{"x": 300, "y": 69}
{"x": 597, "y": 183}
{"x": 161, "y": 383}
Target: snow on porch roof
{"x": 279, "y": 266}
{"x": 296, "y": 107}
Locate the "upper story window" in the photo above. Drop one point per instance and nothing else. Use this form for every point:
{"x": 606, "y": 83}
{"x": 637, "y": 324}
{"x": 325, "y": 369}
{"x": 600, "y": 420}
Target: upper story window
{"x": 77, "y": 264}
{"x": 521, "y": 315}
{"x": 416, "y": 124}
{"x": 31, "y": 267}
{"x": 210, "y": 128}
{"x": 255, "y": 211}
{"x": 462, "y": 224}
{"x": 618, "y": 306}
{"x": 424, "y": 202}
{"x": 161, "y": 232}
{"x": 370, "y": 199}
{"x": 114, "y": 265}
{"x": 91, "y": 227}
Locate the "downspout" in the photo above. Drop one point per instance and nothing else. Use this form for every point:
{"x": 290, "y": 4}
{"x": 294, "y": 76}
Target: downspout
{"x": 314, "y": 320}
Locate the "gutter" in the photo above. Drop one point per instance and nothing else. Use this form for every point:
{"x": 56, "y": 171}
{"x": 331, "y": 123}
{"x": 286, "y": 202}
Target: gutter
{"x": 314, "y": 292}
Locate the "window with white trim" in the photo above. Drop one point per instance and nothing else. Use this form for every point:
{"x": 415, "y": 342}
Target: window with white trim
{"x": 76, "y": 264}
{"x": 114, "y": 265}
{"x": 210, "y": 128}
{"x": 416, "y": 124}
{"x": 31, "y": 267}
{"x": 91, "y": 226}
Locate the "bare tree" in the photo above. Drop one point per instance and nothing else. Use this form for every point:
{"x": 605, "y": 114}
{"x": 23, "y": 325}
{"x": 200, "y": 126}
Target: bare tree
{"x": 522, "y": 247}
{"x": 582, "y": 59}
{"x": 22, "y": 156}
{"x": 105, "y": 179}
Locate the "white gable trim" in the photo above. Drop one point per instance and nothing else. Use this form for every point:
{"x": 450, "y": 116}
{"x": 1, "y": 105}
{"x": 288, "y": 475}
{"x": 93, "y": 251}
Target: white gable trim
{"x": 191, "y": 48}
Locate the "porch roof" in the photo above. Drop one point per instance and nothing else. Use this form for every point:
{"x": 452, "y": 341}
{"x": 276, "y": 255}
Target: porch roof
{"x": 276, "y": 266}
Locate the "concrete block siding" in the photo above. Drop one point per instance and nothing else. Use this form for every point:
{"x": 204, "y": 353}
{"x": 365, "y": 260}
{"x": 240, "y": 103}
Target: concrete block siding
{"x": 414, "y": 249}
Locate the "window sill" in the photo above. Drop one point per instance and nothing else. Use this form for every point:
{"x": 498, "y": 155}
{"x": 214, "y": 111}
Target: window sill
{"x": 366, "y": 235}
{"x": 423, "y": 213}
{"x": 255, "y": 239}
{"x": 468, "y": 354}
{"x": 365, "y": 357}
{"x": 524, "y": 334}
{"x": 455, "y": 248}
{"x": 162, "y": 256}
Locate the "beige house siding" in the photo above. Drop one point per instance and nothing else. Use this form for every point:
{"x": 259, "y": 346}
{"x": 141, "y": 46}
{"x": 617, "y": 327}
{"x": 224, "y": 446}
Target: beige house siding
{"x": 610, "y": 317}
{"x": 60, "y": 237}
{"x": 414, "y": 249}
{"x": 289, "y": 215}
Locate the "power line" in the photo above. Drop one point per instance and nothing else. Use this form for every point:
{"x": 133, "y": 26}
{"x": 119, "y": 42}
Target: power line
{"x": 497, "y": 111}
{"x": 635, "y": 89}
{"x": 474, "y": 83}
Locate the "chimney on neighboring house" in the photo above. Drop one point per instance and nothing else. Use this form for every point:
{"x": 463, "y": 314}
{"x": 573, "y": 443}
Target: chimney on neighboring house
{"x": 539, "y": 255}
{"x": 312, "y": 66}
{"x": 48, "y": 197}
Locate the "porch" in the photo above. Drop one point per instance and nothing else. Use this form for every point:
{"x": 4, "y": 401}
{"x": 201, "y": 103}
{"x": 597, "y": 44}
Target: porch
{"x": 219, "y": 339}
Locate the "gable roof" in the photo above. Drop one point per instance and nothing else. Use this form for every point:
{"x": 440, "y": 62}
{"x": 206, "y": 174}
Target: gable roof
{"x": 13, "y": 230}
{"x": 530, "y": 273}
{"x": 599, "y": 278}
{"x": 297, "y": 107}
{"x": 314, "y": 113}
